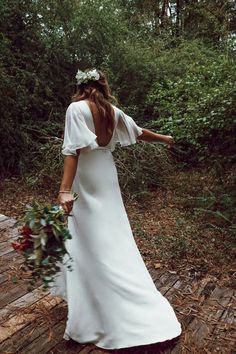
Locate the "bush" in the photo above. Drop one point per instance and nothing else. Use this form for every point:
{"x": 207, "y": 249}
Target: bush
{"x": 142, "y": 167}
{"x": 198, "y": 104}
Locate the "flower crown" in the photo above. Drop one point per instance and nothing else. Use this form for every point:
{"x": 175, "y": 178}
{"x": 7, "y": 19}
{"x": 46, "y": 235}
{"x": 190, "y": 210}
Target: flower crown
{"x": 85, "y": 76}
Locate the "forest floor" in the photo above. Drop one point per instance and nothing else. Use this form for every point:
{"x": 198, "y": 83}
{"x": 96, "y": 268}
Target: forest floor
{"x": 185, "y": 227}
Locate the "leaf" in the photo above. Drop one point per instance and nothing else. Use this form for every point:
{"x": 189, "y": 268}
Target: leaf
{"x": 37, "y": 242}
{"x": 33, "y": 256}
{"x": 157, "y": 265}
{"x": 47, "y": 278}
{"x": 75, "y": 196}
{"x": 43, "y": 222}
{"x": 57, "y": 227}
{"x": 31, "y": 224}
{"x": 38, "y": 253}
{"x": 46, "y": 260}
{"x": 43, "y": 240}
{"x": 14, "y": 279}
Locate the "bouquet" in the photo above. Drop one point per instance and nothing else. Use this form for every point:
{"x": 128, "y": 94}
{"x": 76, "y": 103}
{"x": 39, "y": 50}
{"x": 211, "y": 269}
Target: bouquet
{"x": 42, "y": 242}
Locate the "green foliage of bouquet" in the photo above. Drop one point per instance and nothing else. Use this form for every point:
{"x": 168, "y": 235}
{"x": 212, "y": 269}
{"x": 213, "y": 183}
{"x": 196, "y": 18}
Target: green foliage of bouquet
{"x": 42, "y": 242}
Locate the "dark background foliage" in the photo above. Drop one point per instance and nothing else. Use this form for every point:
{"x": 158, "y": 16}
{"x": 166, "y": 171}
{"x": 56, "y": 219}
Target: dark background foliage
{"x": 171, "y": 65}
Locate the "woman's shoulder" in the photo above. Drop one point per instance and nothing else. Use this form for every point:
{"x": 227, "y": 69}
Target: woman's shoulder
{"x": 78, "y": 107}
{"x": 76, "y": 104}
{"x": 77, "y": 110}
{"x": 116, "y": 109}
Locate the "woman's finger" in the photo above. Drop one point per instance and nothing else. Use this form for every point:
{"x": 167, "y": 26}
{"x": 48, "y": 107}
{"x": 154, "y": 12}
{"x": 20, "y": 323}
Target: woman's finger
{"x": 69, "y": 205}
{"x": 64, "y": 206}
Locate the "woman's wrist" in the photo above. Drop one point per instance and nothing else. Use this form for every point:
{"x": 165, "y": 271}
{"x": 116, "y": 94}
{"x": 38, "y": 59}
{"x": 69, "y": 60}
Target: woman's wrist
{"x": 161, "y": 138}
{"x": 151, "y": 136}
{"x": 64, "y": 187}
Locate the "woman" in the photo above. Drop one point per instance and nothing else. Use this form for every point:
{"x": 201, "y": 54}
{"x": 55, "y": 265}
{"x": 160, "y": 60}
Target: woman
{"x": 112, "y": 300}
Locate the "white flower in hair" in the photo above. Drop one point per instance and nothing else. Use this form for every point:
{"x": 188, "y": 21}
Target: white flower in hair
{"x": 85, "y": 76}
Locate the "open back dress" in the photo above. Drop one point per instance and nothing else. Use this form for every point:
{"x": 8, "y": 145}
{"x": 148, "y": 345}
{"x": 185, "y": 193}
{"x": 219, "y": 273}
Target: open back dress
{"x": 112, "y": 300}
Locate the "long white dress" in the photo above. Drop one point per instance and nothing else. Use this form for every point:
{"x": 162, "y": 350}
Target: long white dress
{"x": 112, "y": 300}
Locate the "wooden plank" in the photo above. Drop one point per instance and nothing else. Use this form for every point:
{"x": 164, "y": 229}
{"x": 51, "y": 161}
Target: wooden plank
{"x": 184, "y": 297}
{"x": 12, "y": 268}
{"x": 176, "y": 350}
{"x": 229, "y": 316}
{"x": 3, "y": 217}
{"x": 156, "y": 273}
{"x": 208, "y": 316}
{"x": 35, "y": 329}
{"x": 161, "y": 280}
{"x": 4, "y": 277}
{"x": 20, "y": 320}
{"x": 92, "y": 351}
{"x": 101, "y": 351}
{"x": 10, "y": 292}
{"x": 71, "y": 347}
{"x": 172, "y": 290}
{"x": 22, "y": 302}
{"x": 7, "y": 224}
{"x": 8, "y": 231}
{"x": 10, "y": 228}
{"x": 165, "y": 282}
{"x": 10, "y": 259}
{"x": 43, "y": 343}
{"x": 187, "y": 308}
{"x": 225, "y": 331}
{"x": 5, "y": 246}
{"x": 170, "y": 282}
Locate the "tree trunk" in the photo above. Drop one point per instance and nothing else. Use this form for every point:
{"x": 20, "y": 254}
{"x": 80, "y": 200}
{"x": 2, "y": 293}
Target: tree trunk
{"x": 164, "y": 13}
{"x": 178, "y": 17}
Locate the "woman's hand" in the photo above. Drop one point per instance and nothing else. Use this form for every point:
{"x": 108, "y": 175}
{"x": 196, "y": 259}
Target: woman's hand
{"x": 169, "y": 140}
{"x": 66, "y": 200}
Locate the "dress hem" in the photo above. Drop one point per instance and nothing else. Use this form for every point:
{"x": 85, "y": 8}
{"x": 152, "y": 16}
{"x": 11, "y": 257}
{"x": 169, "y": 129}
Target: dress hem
{"x": 147, "y": 342}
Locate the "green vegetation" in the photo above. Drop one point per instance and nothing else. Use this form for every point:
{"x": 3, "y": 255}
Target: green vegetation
{"x": 171, "y": 64}
{"x": 197, "y": 102}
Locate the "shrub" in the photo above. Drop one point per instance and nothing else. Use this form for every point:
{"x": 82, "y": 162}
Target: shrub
{"x": 198, "y": 105}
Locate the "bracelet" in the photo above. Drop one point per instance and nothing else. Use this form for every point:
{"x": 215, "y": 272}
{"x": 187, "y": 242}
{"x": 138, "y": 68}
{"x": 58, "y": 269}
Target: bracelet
{"x": 64, "y": 191}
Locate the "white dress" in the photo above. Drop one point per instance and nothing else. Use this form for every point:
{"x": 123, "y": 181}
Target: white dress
{"x": 112, "y": 300}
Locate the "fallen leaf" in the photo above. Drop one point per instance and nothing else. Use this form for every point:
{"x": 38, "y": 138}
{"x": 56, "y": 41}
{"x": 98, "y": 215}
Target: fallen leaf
{"x": 157, "y": 265}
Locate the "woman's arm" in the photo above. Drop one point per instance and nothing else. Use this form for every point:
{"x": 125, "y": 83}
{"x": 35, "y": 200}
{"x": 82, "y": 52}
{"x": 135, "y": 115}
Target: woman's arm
{"x": 65, "y": 197}
{"x": 149, "y": 135}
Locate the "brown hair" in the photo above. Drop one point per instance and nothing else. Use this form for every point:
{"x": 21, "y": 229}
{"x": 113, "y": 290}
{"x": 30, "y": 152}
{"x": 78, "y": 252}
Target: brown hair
{"x": 98, "y": 92}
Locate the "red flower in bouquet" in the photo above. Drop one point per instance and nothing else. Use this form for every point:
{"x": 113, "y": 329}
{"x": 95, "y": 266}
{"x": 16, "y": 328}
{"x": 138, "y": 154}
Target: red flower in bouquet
{"x": 23, "y": 242}
{"x": 17, "y": 246}
{"x": 20, "y": 246}
{"x": 26, "y": 232}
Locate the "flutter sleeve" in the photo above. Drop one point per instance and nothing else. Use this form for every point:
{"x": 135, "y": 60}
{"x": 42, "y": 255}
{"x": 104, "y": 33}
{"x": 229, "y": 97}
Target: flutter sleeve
{"x": 76, "y": 134}
{"x": 127, "y": 130}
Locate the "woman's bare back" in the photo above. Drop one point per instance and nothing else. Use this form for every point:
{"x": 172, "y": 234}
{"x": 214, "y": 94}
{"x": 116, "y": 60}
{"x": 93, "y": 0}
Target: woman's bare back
{"x": 100, "y": 126}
